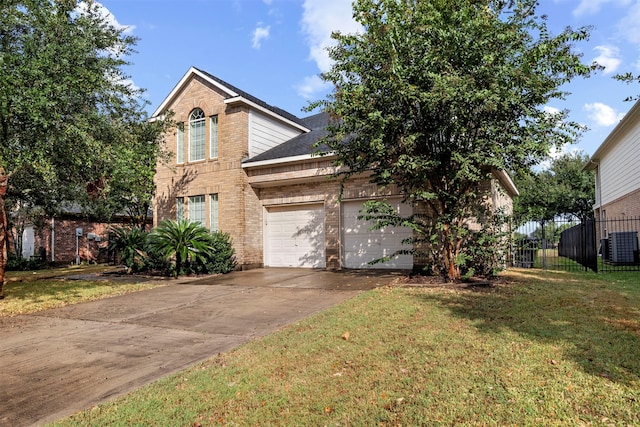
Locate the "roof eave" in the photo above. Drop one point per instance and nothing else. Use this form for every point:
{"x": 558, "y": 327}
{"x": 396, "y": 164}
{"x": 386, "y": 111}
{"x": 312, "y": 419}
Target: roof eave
{"x": 285, "y": 160}
{"x": 507, "y": 182}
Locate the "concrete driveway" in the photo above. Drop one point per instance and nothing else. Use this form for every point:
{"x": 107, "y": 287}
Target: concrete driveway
{"x": 56, "y": 362}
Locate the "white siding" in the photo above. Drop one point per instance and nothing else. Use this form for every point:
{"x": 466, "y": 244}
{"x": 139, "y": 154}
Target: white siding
{"x": 619, "y": 169}
{"x": 265, "y": 133}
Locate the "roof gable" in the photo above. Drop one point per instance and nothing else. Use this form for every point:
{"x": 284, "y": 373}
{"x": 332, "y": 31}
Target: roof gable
{"x": 234, "y": 95}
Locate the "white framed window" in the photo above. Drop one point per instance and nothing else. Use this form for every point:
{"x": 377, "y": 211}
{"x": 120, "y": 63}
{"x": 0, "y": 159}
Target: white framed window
{"x": 180, "y": 143}
{"x": 196, "y": 209}
{"x": 213, "y": 212}
{"x": 179, "y": 208}
{"x": 213, "y": 137}
{"x": 196, "y": 135}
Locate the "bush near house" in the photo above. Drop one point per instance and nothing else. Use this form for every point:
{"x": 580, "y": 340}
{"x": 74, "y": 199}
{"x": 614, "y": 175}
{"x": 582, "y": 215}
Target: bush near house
{"x": 174, "y": 248}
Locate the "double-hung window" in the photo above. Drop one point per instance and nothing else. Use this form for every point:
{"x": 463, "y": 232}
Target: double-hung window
{"x": 213, "y": 137}
{"x": 180, "y": 143}
{"x": 213, "y": 212}
{"x": 196, "y": 209}
{"x": 197, "y": 124}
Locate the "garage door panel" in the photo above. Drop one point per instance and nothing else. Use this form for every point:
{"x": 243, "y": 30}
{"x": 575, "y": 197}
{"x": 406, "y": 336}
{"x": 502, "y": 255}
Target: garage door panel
{"x": 294, "y": 236}
{"x": 362, "y": 245}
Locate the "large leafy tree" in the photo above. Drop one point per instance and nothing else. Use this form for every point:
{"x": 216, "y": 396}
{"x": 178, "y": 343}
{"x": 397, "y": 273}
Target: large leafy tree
{"x": 563, "y": 190}
{"x": 125, "y": 185}
{"x": 61, "y": 90}
{"x": 434, "y": 95}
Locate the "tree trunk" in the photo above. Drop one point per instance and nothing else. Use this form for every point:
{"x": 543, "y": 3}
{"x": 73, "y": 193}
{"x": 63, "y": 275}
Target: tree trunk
{"x": 450, "y": 255}
{"x": 4, "y": 180}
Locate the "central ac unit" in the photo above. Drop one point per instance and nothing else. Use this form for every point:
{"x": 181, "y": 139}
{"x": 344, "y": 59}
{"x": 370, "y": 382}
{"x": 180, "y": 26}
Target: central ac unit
{"x": 622, "y": 246}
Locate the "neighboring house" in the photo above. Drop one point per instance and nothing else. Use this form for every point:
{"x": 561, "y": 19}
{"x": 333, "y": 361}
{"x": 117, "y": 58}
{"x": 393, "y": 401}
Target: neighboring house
{"x": 617, "y": 167}
{"x": 246, "y": 168}
{"x": 69, "y": 238}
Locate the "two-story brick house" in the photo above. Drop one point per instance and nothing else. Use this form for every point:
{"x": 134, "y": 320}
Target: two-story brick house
{"x": 245, "y": 167}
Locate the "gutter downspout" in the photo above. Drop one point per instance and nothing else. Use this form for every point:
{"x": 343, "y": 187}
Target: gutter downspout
{"x": 53, "y": 239}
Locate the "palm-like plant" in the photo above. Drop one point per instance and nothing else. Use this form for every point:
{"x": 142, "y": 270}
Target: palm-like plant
{"x": 187, "y": 241}
{"x": 129, "y": 244}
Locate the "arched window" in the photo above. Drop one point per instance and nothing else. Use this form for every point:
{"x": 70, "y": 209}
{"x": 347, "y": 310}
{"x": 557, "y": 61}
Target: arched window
{"x": 196, "y": 135}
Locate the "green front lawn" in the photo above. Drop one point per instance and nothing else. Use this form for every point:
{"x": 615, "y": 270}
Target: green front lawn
{"x": 31, "y": 291}
{"x": 539, "y": 348}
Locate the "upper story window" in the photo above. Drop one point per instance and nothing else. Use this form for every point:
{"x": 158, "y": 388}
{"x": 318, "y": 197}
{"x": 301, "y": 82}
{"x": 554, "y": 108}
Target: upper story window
{"x": 196, "y": 135}
{"x": 180, "y": 143}
{"x": 213, "y": 137}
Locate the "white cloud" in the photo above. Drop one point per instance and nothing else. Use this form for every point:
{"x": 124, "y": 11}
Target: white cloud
{"x": 591, "y": 7}
{"x": 609, "y": 58}
{"x": 259, "y": 34}
{"x": 319, "y": 19}
{"x": 550, "y": 110}
{"x": 311, "y": 86}
{"x": 106, "y": 14}
{"x": 628, "y": 26}
{"x": 602, "y": 114}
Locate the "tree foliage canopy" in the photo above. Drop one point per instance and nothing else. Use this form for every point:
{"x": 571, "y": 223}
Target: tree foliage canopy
{"x": 65, "y": 102}
{"x": 61, "y": 88}
{"x": 434, "y": 95}
{"x": 562, "y": 190}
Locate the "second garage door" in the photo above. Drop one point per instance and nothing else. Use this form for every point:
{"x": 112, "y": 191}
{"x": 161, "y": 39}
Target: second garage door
{"x": 362, "y": 245}
{"x": 294, "y": 236}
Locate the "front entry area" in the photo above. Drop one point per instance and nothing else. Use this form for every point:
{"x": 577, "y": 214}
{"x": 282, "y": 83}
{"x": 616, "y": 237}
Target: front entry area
{"x": 294, "y": 236}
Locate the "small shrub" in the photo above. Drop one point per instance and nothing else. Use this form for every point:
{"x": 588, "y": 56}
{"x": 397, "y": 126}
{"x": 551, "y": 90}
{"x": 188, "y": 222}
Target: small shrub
{"x": 221, "y": 258}
{"x": 129, "y": 244}
{"x": 23, "y": 264}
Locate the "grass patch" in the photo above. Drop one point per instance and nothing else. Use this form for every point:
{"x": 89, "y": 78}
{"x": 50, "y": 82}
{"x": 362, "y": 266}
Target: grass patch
{"x": 539, "y": 348}
{"x": 31, "y": 291}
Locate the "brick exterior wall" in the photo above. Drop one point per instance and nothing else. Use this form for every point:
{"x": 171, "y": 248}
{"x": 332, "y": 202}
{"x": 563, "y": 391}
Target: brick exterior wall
{"x": 63, "y": 250}
{"x": 627, "y": 206}
{"x": 223, "y": 175}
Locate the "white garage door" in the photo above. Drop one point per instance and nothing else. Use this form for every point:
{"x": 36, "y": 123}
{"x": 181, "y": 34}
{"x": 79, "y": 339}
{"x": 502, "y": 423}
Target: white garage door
{"x": 294, "y": 236}
{"x": 362, "y": 245}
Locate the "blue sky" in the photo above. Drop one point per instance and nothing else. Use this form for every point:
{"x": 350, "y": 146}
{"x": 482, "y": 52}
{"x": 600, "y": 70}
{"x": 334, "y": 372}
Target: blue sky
{"x": 274, "y": 50}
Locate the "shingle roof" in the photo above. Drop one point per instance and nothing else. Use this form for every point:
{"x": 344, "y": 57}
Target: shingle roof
{"x": 252, "y": 98}
{"x": 300, "y": 145}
